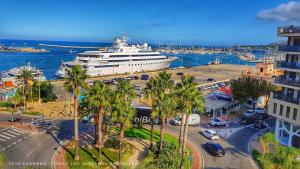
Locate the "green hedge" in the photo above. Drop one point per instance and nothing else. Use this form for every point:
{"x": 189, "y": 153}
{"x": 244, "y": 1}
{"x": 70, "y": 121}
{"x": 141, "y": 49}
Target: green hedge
{"x": 35, "y": 113}
{"x": 6, "y": 104}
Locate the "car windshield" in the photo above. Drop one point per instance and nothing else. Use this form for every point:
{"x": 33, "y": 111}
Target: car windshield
{"x": 216, "y": 120}
{"x": 217, "y": 146}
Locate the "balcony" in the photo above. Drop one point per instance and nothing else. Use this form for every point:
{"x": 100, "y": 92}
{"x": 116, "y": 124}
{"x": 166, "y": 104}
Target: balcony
{"x": 286, "y": 98}
{"x": 287, "y": 48}
{"x": 288, "y": 30}
{"x": 286, "y": 81}
{"x": 288, "y": 65}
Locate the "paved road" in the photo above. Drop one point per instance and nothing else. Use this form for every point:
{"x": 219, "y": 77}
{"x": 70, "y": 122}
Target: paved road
{"x": 23, "y": 148}
{"x": 235, "y": 158}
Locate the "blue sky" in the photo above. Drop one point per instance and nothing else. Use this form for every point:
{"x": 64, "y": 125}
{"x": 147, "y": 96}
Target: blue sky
{"x": 211, "y": 22}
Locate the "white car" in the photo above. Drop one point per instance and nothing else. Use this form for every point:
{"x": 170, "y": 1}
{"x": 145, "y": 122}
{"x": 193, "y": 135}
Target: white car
{"x": 218, "y": 122}
{"x": 194, "y": 120}
{"x": 260, "y": 110}
{"x": 88, "y": 119}
{"x": 210, "y": 134}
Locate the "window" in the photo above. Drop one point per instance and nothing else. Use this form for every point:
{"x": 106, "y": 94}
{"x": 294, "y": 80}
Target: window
{"x": 295, "y": 114}
{"x": 281, "y": 110}
{"x": 287, "y": 114}
{"x": 275, "y": 108}
{"x": 261, "y": 70}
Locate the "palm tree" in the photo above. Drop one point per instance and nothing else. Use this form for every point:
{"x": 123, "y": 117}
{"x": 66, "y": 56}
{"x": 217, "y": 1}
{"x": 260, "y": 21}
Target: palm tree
{"x": 152, "y": 91}
{"x": 126, "y": 89}
{"x": 123, "y": 112}
{"x": 165, "y": 86}
{"x": 25, "y": 77}
{"x": 74, "y": 82}
{"x": 166, "y": 106}
{"x": 99, "y": 96}
{"x": 191, "y": 100}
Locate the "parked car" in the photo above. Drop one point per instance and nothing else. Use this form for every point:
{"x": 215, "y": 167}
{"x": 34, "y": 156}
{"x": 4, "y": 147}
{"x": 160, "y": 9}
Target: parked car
{"x": 247, "y": 120}
{"x": 261, "y": 116}
{"x": 144, "y": 77}
{"x": 260, "y": 110}
{"x": 108, "y": 82}
{"x": 210, "y": 80}
{"x": 135, "y": 77}
{"x": 218, "y": 122}
{"x": 249, "y": 113}
{"x": 194, "y": 120}
{"x": 179, "y": 73}
{"x": 259, "y": 125}
{"x": 210, "y": 134}
{"x": 215, "y": 149}
{"x": 88, "y": 119}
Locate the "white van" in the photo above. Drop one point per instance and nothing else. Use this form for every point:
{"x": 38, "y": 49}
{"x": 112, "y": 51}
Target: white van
{"x": 194, "y": 120}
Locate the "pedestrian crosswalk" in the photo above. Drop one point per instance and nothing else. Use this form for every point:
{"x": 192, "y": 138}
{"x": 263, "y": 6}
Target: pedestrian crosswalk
{"x": 11, "y": 133}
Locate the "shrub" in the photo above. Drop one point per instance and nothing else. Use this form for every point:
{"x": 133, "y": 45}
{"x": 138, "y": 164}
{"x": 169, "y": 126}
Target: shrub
{"x": 6, "y": 104}
{"x": 35, "y": 113}
{"x": 167, "y": 158}
{"x": 255, "y": 154}
{"x": 112, "y": 142}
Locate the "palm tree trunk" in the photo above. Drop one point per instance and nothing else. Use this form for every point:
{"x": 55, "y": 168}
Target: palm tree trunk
{"x": 121, "y": 143}
{"x": 76, "y": 157}
{"x": 186, "y": 124}
{"x": 181, "y": 131}
{"x": 162, "y": 127}
{"x": 96, "y": 116}
{"x": 151, "y": 138}
{"x": 99, "y": 143}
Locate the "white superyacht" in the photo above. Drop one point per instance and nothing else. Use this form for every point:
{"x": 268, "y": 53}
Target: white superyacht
{"x": 121, "y": 58}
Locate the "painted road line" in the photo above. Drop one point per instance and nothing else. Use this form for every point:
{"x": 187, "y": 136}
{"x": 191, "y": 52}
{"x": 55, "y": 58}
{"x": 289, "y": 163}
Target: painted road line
{"x": 4, "y": 129}
{"x": 2, "y": 140}
{"x": 30, "y": 153}
{"x": 19, "y": 130}
{"x": 13, "y": 132}
{"x": 8, "y": 134}
{"x": 4, "y": 137}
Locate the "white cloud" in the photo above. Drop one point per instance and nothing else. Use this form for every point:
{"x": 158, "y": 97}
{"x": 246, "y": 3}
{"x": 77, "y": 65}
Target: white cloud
{"x": 289, "y": 13}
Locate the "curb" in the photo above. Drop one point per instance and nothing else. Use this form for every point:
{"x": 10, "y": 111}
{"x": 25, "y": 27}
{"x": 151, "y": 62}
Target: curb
{"x": 250, "y": 149}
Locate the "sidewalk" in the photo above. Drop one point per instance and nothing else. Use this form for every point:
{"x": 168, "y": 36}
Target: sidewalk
{"x": 58, "y": 159}
{"x": 254, "y": 144}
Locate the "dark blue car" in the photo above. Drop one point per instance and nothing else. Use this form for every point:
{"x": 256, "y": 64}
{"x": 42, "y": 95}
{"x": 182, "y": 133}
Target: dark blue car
{"x": 144, "y": 77}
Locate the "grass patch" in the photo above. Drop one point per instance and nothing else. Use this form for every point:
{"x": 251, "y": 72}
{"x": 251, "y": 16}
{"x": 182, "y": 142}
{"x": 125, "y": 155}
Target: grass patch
{"x": 2, "y": 161}
{"x": 145, "y": 133}
{"x": 89, "y": 156}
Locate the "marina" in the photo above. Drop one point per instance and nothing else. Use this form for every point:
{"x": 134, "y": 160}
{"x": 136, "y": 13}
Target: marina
{"x": 50, "y": 61}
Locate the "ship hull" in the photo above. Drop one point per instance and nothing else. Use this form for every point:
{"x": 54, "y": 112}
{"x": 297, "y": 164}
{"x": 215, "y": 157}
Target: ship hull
{"x": 120, "y": 68}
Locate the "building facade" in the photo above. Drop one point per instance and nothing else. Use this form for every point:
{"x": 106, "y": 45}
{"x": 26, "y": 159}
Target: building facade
{"x": 285, "y": 103}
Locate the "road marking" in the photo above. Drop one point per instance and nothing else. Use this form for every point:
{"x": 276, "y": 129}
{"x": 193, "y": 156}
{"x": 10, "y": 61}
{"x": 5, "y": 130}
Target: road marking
{"x": 30, "y": 153}
{"x": 12, "y": 132}
{"x": 4, "y": 137}
{"x": 20, "y": 131}
{"x": 2, "y": 140}
{"x": 4, "y": 129}
{"x": 8, "y": 134}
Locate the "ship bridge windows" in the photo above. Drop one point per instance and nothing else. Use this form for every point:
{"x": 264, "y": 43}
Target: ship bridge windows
{"x": 102, "y": 66}
{"x": 90, "y": 56}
